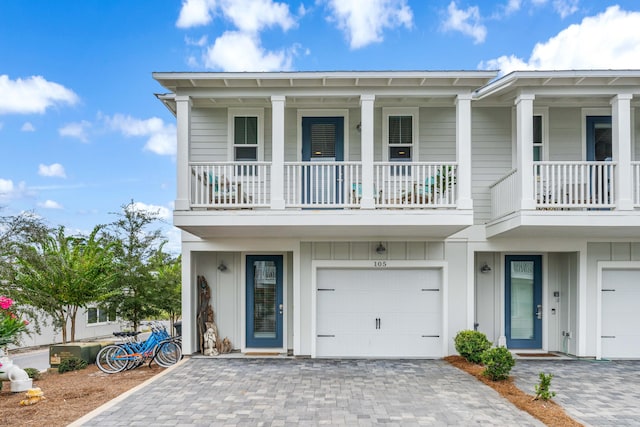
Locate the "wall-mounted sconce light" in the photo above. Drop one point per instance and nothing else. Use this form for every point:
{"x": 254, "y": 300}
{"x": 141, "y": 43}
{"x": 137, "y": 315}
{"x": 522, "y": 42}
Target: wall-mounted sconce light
{"x": 359, "y": 127}
{"x": 222, "y": 266}
{"x": 380, "y": 250}
{"x": 485, "y": 268}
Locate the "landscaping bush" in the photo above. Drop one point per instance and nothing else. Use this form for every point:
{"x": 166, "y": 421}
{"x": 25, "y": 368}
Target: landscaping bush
{"x": 542, "y": 389}
{"x": 471, "y": 345}
{"x": 71, "y": 364}
{"x": 33, "y": 373}
{"x": 498, "y": 362}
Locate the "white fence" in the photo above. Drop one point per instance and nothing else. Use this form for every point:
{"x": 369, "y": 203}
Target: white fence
{"x": 322, "y": 184}
{"x": 505, "y": 196}
{"x": 230, "y": 184}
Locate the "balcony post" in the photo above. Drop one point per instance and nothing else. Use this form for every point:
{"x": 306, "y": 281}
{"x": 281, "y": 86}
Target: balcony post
{"x": 621, "y": 150}
{"x": 366, "y": 147}
{"x": 463, "y": 150}
{"x": 524, "y": 150}
{"x": 277, "y": 152}
{"x": 183, "y": 119}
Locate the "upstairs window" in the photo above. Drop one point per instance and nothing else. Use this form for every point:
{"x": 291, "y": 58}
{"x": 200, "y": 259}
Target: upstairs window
{"x": 97, "y": 315}
{"x": 538, "y": 143}
{"x": 245, "y": 138}
{"x": 400, "y": 134}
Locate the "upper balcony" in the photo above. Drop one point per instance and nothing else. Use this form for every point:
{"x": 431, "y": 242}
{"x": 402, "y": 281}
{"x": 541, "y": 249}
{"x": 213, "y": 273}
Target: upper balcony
{"x": 326, "y": 197}
{"x": 571, "y": 198}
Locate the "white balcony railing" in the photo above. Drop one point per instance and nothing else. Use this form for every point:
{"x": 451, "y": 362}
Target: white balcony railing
{"x": 230, "y": 184}
{"x": 415, "y": 185}
{"x": 636, "y": 183}
{"x": 574, "y": 184}
{"x": 505, "y": 197}
{"x": 322, "y": 184}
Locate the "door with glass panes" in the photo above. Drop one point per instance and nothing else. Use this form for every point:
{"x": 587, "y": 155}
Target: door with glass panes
{"x": 264, "y": 301}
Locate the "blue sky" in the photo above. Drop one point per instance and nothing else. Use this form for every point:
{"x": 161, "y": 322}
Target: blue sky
{"x": 81, "y": 132}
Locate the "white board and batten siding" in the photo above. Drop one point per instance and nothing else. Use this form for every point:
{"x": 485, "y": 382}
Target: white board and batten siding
{"x": 379, "y": 308}
{"x": 618, "y": 306}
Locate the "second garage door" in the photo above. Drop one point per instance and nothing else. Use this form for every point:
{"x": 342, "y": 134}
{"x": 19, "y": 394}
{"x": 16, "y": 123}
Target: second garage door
{"x": 620, "y": 313}
{"x": 379, "y": 313}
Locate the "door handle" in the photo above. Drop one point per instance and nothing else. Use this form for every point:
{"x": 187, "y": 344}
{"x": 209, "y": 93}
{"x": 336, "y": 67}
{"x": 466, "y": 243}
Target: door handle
{"x": 539, "y": 312}
{"x": 281, "y": 308}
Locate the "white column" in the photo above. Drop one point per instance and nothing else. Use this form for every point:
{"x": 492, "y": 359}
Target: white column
{"x": 366, "y": 147}
{"x": 277, "y": 152}
{"x": 524, "y": 147}
{"x": 463, "y": 150}
{"x": 297, "y": 303}
{"x": 189, "y": 339}
{"x": 621, "y": 150}
{"x": 183, "y": 118}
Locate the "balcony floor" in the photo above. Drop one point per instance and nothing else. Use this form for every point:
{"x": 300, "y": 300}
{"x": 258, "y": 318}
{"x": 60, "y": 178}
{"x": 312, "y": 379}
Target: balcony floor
{"x": 605, "y": 224}
{"x": 340, "y": 224}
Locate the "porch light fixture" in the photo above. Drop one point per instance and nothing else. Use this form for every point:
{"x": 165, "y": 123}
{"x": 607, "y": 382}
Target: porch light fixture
{"x": 359, "y": 127}
{"x": 380, "y": 250}
{"x": 222, "y": 266}
{"x": 485, "y": 268}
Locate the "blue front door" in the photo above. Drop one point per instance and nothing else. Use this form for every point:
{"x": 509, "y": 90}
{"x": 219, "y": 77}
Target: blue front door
{"x": 264, "y": 301}
{"x": 523, "y": 304}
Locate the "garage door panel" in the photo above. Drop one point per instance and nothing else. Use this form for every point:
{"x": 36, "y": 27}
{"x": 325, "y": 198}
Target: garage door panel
{"x": 379, "y": 313}
{"x": 620, "y": 313}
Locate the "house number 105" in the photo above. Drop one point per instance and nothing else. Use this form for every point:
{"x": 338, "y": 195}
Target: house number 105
{"x": 380, "y": 264}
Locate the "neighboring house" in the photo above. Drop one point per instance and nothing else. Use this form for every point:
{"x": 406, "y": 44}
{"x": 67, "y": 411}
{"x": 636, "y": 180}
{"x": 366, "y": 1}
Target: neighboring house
{"x": 91, "y": 323}
{"x": 376, "y": 214}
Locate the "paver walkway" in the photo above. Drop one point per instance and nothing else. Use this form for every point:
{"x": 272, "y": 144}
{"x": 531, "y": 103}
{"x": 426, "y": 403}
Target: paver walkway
{"x": 591, "y": 392}
{"x": 278, "y": 392}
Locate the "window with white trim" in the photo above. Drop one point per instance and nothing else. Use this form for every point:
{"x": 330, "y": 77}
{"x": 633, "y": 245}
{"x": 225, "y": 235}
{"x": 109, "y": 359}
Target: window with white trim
{"x": 97, "y": 315}
{"x": 538, "y": 143}
{"x": 400, "y": 133}
{"x": 246, "y": 136}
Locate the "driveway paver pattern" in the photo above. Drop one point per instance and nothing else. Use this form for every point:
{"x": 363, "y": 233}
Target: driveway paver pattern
{"x": 595, "y": 393}
{"x": 283, "y": 392}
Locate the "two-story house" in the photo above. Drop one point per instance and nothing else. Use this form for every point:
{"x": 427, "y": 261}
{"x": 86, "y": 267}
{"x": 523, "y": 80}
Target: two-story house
{"x": 376, "y": 214}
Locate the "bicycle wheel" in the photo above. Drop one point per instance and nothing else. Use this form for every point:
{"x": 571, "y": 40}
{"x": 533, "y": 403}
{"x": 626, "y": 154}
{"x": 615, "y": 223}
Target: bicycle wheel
{"x": 111, "y": 359}
{"x": 167, "y": 354}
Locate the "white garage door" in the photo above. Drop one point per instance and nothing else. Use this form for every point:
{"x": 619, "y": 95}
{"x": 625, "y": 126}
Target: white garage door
{"x": 620, "y": 313}
{"x": 379, "y": 313}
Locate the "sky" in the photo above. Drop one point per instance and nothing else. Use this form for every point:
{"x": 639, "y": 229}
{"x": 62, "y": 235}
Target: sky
{"x": 82, "y": 134}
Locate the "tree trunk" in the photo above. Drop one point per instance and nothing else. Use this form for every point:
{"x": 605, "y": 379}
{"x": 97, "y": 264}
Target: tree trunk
{"x": 63, "y": 326}
{"x": 74, "y": 312}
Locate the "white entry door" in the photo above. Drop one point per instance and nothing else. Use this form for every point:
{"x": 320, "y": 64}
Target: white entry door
{"x": 620, "y": 313}
{"x": 379, "y": 313}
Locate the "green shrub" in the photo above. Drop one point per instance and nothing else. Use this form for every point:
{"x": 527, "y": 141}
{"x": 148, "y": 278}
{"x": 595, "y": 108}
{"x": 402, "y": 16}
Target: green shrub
{"x": 71, "y": 364}
{"x": 33, "y": 373}
{"x": 498, "y": 362}
{"x": 471, "y": 345}
{"x": 542, "y": 389}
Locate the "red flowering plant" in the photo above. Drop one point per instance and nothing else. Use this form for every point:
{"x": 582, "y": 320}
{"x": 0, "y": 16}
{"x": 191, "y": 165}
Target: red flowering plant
{"x": 11, "y": 325}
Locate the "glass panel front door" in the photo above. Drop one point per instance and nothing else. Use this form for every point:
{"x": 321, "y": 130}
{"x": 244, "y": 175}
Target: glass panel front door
{"x": 264, "y": 301}
{"x": 523, "y": 301}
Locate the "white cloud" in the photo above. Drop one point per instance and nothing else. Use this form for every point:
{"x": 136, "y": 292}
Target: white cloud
{"x": 76, "y": 130}
{"x": 465, "y": 21}
{"x": 32, "y": 95}
{"x": 50, "y": 204}
{"x": 364, "y": 25}
{"x": 252, "y": 16}
{"x": 249, "y": 16}
{"x": 28, "y": 127}
{"x": 565, "y": 7}
{"x": 54, "y": 169}
{"x": 224, "y": 54}
{"x": 582, "y": 46}
{"x": 202, "y": 41}
{"x": 161, "y": 137}
{"x": 162, "y": 212}
{"x": 195, "y": 13}
{"x": 10, "y": 190}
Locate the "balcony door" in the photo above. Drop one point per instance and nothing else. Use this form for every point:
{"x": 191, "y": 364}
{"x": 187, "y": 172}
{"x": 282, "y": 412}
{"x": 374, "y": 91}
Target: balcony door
{"x": 599, "y": 149}
{"x": 523, "y": 304}
{"x": 322, "y": 142}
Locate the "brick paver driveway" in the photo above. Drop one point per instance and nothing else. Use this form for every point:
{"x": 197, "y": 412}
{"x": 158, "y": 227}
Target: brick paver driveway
{"x": 276, "y": 392}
